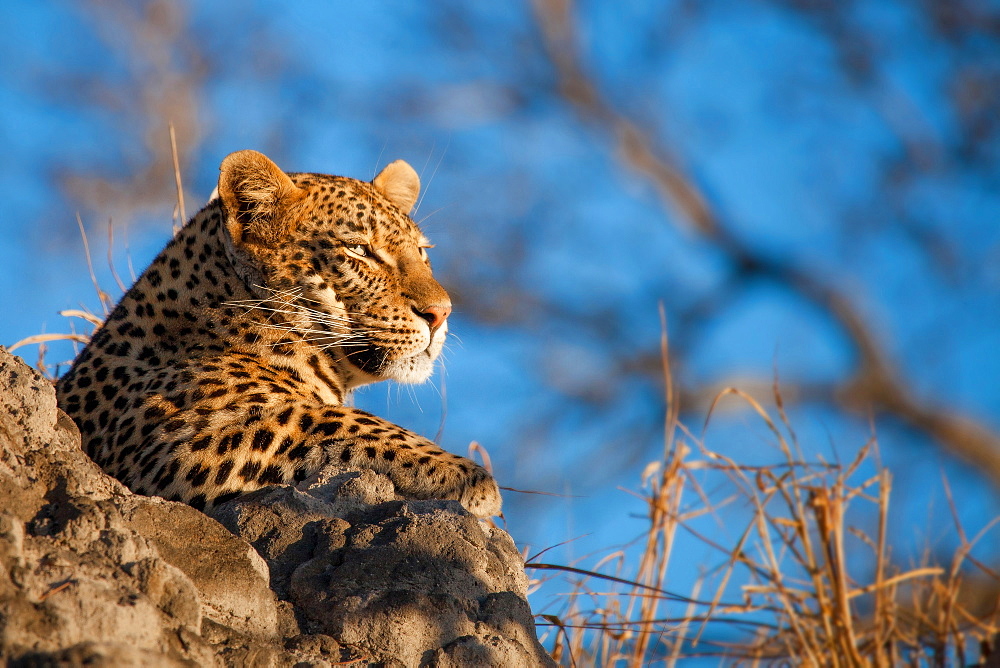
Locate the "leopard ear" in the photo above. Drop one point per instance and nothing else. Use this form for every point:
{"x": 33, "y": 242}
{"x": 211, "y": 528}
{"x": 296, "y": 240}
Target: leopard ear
{"x": 258, "y": 198}
{"x": 400, "y": 183}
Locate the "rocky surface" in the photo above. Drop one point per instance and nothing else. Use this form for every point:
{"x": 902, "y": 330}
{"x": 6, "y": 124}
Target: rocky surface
{"x": 337, "y": 570}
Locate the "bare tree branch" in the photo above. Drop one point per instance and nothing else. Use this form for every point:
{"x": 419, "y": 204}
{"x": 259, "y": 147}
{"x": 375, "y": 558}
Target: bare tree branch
{"x": 875, "y": 383}
{"x": 164, "y": 73}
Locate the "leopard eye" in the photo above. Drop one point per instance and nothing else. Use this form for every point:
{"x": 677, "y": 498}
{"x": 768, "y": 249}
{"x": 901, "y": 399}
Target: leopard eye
{"x": 359, "y": 249}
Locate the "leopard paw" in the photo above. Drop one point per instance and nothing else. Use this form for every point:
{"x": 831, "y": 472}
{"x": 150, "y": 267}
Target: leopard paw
{"x": 481, "y": 495}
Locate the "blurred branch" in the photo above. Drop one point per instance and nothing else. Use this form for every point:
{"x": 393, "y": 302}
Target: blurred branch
{"x": 556, "y": 22}
{"x": 163, "y": 71}
{"x": 875, "y": 383}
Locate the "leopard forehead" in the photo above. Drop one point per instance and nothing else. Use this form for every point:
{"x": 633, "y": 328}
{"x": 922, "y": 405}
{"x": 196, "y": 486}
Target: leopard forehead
{"x": 354, "y": 211}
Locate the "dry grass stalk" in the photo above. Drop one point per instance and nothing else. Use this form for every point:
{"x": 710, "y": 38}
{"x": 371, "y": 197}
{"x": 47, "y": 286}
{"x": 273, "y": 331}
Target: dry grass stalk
{"x": 180, "y": 215}
{"x": 812, "y": 587}
{"x": 106, "y": 300}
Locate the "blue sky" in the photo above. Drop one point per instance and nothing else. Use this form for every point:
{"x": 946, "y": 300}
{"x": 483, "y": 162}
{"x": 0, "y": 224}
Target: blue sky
{"x": 867, "y": 177}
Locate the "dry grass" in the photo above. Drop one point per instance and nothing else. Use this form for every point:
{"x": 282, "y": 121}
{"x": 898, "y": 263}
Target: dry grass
{"x": 106, "y": 300}
{"x": 798, "y": 581}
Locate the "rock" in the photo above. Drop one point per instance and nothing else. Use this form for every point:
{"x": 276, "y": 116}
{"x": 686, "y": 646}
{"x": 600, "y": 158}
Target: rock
{"x": 336, "y": 570}
{"x": 241, "y": 598}
{"x": 98, "y": 654}
{"x": 75, "y": 581}
{"x": 416, "y": 582}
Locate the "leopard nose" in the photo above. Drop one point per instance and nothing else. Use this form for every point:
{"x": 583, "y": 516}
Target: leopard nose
{"x": 434, "y": 315}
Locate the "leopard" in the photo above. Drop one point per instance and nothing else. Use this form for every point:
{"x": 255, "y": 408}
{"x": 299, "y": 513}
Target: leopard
{"x": 230, "y": 363}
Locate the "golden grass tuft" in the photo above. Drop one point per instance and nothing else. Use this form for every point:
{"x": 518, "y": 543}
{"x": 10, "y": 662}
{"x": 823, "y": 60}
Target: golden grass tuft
{"x": 106, "y": 300}
{"x": 799, "y": 582}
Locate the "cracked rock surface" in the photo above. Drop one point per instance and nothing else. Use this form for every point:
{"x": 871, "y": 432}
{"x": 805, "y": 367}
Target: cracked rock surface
{"x": 337, "y": 570}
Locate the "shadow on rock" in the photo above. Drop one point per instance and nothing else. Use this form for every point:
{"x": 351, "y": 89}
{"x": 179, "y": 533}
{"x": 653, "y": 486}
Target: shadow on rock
{"x": 419, "y": 582}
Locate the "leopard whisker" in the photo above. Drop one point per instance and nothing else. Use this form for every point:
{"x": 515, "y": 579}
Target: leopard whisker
{"x": 328, "y": 318}
{"x": 334, "y": 337}
{"x": 293, "y": 294}
{"x": 290, "y": 304}
{"x": 354, "y": 331}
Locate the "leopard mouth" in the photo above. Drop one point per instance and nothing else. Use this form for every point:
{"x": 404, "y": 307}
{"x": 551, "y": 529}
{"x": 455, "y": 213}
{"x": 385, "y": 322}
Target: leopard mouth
{"x": 369, "y": 358}
{"x": 376, "y": 361}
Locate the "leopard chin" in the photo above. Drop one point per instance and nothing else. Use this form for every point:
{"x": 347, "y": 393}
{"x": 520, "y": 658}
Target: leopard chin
{"x": 415, "y": 369}
{"x": 373, "y": 361}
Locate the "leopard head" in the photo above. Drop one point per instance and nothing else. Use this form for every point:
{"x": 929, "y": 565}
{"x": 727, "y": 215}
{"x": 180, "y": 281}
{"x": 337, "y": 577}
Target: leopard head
{"x": 339, "y": 261}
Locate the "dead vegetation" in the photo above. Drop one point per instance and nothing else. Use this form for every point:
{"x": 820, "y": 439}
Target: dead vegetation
{"x": 809, "y": 575}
